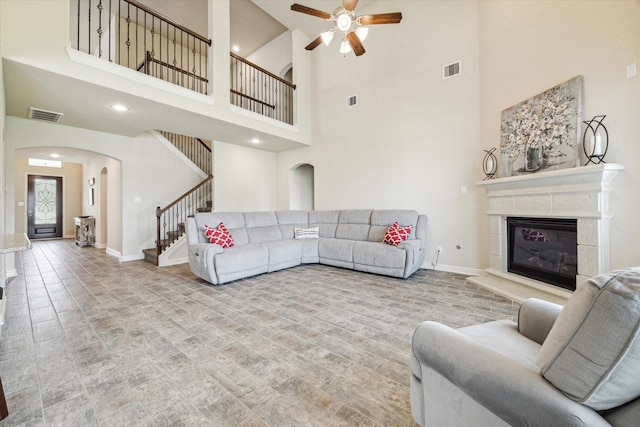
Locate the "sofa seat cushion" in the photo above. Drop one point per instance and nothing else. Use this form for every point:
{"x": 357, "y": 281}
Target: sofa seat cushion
{"x": 284, "y": 254}
{"x": 241, "y": 261}
{"x": 502, "y": 336}
{"x": 378, "y": 254}
{"x": 310, "y": 254}
{"x": 379, "y": 258}
{"x": 336, "y": 252}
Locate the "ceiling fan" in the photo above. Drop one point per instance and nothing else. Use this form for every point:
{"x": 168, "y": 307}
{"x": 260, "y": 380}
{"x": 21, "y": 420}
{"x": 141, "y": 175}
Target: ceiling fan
{"x": 344, "y": 18}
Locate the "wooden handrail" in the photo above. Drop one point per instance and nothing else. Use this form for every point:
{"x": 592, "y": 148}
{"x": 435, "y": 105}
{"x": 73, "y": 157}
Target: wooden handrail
{"x": 151, "y": 59}
{"x": 251, "y": 98}
{"x": 168, "y": 20}
{"x": 257, "y": 67}
{"x": 203, "y": 144}
{"x": 160, "y": 211}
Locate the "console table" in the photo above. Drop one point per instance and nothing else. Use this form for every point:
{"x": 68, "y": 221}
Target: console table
{"x": 8, "y": 243}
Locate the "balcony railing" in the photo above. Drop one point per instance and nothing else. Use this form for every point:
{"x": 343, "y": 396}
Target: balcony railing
{"x": 130, "y": 34}
{"x": 256, "y": 89}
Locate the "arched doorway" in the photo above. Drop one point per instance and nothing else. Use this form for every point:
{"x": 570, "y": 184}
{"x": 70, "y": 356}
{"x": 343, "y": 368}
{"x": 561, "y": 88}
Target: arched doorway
{"x": 103, "y": 241}
{"x": 301, "y": 184}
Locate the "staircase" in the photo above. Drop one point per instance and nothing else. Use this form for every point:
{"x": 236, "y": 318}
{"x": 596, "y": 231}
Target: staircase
{"x": 171, "y": 219}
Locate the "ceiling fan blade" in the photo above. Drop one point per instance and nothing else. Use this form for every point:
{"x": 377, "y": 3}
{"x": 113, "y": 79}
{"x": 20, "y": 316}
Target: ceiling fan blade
{"x": 356, "y": 44}
{"x": 314, "y": 44}
{"x": 310, "y": 11}
{"x": 380, "y": 18}
{"x": 350, "y": 5}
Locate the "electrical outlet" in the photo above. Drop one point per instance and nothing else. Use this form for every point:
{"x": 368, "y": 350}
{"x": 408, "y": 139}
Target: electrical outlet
{"x": 439, "y": 249}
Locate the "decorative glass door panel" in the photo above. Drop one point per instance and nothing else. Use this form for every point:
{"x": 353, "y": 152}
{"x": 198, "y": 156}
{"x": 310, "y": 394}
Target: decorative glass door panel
{"x": 44, "y": 210}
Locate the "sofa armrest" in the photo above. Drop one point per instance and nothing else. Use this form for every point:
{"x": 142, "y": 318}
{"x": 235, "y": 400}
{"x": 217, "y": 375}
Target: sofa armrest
{"x": 536, "y": 317}
{"x": 515, "y": 393}
{"x": 200, "y": 254}
{"x": 411, "y": 245}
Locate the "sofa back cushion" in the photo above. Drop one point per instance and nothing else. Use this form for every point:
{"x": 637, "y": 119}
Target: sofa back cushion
{"x": 381, "y": 220}
{"x": 262, "y": 227}
{"x": 598, "y": 362}
{"x": 327, "y": 221}
{"x": 233, "y": 221}
{"x": 288, "y": 220}
{"x": 354, "y": 224}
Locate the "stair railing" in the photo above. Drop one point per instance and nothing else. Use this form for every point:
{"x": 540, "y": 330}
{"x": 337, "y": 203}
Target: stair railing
{"x": 171, "y": 219}
{"x": 256, "y": 89}
{"x": 193, "y": 148}
{"x": 129, "y": 33}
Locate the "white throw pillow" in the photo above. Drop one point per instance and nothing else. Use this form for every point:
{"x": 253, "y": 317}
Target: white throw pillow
{"x": 306, "y": 233}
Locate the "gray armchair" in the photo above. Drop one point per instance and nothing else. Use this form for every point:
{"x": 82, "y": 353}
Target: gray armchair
{"x": 572, "y": 366}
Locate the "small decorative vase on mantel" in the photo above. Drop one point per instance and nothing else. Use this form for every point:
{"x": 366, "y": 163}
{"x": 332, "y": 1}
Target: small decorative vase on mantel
{"x": 532, "y": 157}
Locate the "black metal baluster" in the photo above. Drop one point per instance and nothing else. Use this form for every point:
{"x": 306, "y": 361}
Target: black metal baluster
{"x": 175, "y": 73}
{"x": 128, "y": 43}
{"x": 153, "y": 42}
{"x": 110, "y": 34}
{"x": 137, "y": 45}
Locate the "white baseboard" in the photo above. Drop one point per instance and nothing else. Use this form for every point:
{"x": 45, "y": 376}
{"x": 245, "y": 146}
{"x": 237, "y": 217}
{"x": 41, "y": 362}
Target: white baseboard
{"x": 114, "y": 253}
{"x": 175, "y": 261}
{"x": 454, "y": 269}
{"x": 118, "y": 255}
{"x": 11, "y": 272}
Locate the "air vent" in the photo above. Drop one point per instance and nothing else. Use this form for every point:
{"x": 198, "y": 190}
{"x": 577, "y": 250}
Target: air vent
{"x": 351, "y": 101}
{"x": 47, "y": 116}
{"x": 451, "y": 70}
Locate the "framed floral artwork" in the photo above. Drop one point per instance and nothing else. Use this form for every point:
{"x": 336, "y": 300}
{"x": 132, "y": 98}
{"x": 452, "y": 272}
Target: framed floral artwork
{"x": 542, "y": 133}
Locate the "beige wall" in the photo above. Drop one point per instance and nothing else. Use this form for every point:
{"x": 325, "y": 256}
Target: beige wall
{"x": 71, "y": 174}
{"x": 415, "y": 139}
{"x": 412, "y": 140}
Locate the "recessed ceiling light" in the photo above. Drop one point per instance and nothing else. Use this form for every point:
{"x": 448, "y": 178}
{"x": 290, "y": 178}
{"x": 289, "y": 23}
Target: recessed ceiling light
{"x": 255, "y": 141}
{"x": 235, "y": 48}
{"x": 119, "y": 107}
{"x": 54, "y": 155}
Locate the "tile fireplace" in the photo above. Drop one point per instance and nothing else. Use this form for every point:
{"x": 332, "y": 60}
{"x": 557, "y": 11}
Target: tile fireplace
{"x": 579, "y": 194}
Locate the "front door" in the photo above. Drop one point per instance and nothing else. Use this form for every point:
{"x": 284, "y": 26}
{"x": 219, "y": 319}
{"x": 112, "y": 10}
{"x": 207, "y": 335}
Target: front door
{"x": 44, "y": 207}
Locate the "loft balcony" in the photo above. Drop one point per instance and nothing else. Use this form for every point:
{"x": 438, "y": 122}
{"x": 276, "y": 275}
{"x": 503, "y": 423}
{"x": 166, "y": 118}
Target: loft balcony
{"x": 75, "y": 57}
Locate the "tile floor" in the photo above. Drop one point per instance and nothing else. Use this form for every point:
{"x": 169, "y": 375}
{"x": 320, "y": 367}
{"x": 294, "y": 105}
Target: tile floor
{"x": 90, "y": 341}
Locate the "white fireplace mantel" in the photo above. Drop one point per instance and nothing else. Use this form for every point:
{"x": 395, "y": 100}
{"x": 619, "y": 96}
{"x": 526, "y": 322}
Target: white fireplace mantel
{"x": 581, "y": 193}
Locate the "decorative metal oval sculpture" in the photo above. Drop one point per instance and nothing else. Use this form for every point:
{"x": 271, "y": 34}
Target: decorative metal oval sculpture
{"x": 489, "y": 164}
{"x": 595, "y": 141}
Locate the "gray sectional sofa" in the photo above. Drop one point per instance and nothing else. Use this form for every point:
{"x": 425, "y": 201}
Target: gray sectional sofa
{"x": 264, "y": 242}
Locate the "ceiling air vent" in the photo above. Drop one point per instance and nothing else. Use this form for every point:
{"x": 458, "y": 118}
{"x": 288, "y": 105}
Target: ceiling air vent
{"x": 47, "y": 116}
{"x": 351, "y": 101}
{"x": 451, "y": 70}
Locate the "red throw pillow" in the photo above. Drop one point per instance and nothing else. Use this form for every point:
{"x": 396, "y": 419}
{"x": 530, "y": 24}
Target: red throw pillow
{"x": 219, "y": 235}
{"x": 396, "y": 234}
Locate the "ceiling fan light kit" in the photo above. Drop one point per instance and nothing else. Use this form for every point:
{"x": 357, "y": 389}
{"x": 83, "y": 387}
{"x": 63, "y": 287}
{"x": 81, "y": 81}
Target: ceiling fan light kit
{"x": 327, "y": 36}
{"x": 344, "y": 46}
{"x": 343, "y": 19}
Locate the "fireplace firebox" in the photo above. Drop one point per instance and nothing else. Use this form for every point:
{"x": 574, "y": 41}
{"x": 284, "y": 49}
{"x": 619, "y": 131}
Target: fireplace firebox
{"x": 544, "y": 249}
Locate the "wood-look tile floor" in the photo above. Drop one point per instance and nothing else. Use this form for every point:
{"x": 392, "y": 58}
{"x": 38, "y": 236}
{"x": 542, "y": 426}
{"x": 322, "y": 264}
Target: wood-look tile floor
{"x": 91, "y": 341}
